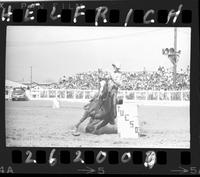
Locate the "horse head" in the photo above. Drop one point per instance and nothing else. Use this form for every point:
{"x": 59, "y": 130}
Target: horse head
{"x": 106, "y": 96}
{"x": 106, "y": 88}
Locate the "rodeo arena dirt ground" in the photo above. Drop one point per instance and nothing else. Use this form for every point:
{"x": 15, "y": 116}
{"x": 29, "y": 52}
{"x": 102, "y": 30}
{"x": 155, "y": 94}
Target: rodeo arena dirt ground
{"x": 36, "y": 124}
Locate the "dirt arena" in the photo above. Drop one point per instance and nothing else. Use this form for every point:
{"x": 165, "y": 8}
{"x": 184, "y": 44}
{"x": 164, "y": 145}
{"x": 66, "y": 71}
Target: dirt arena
{"x": 36, "y": 124}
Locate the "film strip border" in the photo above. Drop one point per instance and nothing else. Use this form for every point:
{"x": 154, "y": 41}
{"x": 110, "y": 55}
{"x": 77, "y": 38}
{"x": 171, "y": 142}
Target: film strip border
{"x": 75, "y": 13}
{"x": 90, "y": 14}
{"x": 52, "y": 157}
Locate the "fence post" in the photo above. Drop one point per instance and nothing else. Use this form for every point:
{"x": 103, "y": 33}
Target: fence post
{"x": 66, "y": 94}
{"x": 136, "y": 95}
{"x": 171, "y": 96}
{"x": 182, "y": 95}
{"x": 146, "y": 93}
{"x": 39, "y": 93}
{"x": 74, "y": 94}
{"x": 83, "y": 94}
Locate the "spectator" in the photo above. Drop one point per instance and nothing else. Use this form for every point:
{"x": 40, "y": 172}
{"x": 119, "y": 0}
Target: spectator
{"x": 162, "y": 79}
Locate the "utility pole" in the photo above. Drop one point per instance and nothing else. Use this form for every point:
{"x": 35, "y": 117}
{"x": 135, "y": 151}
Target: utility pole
{"x": 175, "y": 58}
{"x": 173, "y": 55}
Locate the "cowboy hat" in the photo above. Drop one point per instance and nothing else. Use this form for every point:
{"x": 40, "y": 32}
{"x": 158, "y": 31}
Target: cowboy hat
{"x": 117, "y": 65}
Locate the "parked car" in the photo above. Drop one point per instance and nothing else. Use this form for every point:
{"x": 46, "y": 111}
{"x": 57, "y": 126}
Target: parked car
{"x": 19, "y": 94}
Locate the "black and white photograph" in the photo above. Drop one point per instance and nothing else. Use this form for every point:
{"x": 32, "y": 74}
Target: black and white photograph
{"x": 103, "y": 87}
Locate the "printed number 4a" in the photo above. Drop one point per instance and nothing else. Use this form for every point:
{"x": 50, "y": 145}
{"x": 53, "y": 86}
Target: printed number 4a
{"x": 3, "y": 170}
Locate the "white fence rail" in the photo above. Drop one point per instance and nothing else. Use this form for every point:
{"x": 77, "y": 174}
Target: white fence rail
{"x": 84, "y": 95}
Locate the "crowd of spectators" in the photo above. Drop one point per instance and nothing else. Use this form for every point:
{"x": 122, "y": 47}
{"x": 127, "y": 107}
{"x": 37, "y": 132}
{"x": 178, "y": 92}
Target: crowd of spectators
{"x": 161, "y": 79}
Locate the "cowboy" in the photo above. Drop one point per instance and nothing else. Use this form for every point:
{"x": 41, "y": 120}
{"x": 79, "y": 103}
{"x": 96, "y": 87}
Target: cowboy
{"x": 102, "y": 81}
{"x": 115, "y": 82}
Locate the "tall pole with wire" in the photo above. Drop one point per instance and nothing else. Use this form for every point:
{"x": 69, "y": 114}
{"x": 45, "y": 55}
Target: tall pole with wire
{"x": 175, "y": 58}
{"x": 173, "y": 55}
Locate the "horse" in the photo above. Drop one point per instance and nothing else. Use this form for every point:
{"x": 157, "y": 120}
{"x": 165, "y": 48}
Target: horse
{"x": 100, "y": 110}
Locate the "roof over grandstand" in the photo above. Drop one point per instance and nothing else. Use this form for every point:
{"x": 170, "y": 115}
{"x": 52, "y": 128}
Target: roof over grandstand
{"x": 9, "y": 83}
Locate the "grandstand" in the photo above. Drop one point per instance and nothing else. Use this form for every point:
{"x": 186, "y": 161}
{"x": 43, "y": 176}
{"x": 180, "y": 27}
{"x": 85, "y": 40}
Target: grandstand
{"x": 161, "y": 79}
{"x": 144, "y": 87}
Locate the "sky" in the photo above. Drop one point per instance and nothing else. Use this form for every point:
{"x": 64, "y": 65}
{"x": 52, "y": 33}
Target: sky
{"x": 56, "y": 51}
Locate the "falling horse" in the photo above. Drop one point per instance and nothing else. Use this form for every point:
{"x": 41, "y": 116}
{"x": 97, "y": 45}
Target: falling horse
{"x": 100, "y": 110}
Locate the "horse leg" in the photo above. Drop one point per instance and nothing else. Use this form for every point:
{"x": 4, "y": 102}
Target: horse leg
{"x": 90, "y": 128}
{"x": 100, "y": 114}
{"x": 99, "y": 121}
{"x": 85, "y": 116}
{"x": 102, "y": 124}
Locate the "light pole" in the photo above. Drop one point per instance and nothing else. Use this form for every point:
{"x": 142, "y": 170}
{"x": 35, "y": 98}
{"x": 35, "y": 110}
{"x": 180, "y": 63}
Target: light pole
{"x": 173, "y": 55}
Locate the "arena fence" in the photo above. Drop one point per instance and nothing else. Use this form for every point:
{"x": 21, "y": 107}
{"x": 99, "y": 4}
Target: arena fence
{"x": 128, "y": 95}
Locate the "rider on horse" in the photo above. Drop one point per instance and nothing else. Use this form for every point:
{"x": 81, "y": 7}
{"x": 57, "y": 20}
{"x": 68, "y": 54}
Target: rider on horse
{"x": 102, "y": 106}
{"x": 98, "y": 95}
{"x": 115, "y": 81}
{"x": 96, "y": 103}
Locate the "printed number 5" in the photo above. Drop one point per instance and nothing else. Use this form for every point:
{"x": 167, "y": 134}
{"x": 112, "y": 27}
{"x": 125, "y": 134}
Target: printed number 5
{"x": 132, "y": 124}
{"x": 101, "y": 170}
